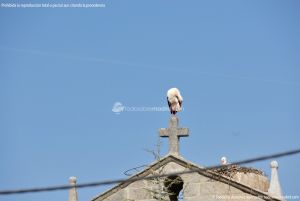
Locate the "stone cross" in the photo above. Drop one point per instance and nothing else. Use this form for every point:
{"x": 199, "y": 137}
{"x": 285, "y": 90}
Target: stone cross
{"x": 174, "y": 133}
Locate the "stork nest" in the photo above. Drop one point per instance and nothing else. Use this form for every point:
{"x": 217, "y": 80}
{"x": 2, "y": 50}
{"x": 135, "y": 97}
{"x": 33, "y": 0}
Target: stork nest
{"x": 231, "y": 170}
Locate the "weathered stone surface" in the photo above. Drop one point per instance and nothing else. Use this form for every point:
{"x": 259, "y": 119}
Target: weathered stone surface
{"x": 191, "y": 189}
{"x": 172, "y": 168}
{"x": 138, "y": 184}
{"x": 196, "y": 187}
{"x": 139, "y": 194}
{"x": 120, "y": 195}
{"x": 218, "y": 188}
{"x": 275, "y": 188}
{"x": 72, "y": 192}
{"x": 174, "y": 133}
{"x": 256, "y": 181}
{"x": 194, "y": 178}
{"x": 207, "y": 188}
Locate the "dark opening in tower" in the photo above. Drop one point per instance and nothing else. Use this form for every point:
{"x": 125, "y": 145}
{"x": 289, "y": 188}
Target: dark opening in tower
{"x": 173, "y": 185}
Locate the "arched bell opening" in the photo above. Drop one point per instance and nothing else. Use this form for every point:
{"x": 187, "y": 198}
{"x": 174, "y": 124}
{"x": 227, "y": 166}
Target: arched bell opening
{"x": 173, "y": 186}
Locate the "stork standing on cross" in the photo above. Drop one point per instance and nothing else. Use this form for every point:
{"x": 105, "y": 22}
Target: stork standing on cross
{"x": 174, "y": 100}
{"x": 174, "y": 132}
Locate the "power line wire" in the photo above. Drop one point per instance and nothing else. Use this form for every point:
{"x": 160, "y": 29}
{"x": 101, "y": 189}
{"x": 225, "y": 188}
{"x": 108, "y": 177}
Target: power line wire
{"x": 109, "y": 182}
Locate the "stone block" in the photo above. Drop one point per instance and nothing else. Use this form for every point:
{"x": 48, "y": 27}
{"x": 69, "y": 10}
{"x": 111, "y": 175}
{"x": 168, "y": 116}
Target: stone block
{"x": 173, "y": 168}
{"x": 207, "y": 188}
{"x": 120, "y": 195}
{"x": 193, "y": 178}
{"x": 191, "y": 189}
{"x": 138, "y": 184}
{"x": 138, "y": 194}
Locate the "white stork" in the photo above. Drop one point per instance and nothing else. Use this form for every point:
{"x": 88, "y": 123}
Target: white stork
{"x": 224, "y": 161}
{"x": 174, "y": 100}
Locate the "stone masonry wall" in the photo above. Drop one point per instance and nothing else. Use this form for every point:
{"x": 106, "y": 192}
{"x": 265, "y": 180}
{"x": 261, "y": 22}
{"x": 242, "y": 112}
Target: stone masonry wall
{"x": 195, "y": 188}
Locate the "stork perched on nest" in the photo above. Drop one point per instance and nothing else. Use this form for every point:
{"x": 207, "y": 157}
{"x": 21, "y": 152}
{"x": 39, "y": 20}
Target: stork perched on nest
{"x": 174, "y": 100}
{"x": 224, "y": 161}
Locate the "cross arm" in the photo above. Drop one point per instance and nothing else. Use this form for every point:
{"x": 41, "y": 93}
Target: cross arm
{"x": 163, "y": 132}
{"x": 180, "y": 132}
{"x": 183, "y": 132}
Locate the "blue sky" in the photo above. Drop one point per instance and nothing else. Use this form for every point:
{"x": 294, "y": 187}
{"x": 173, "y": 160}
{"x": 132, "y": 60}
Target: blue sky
{"x": 61, "y": 70}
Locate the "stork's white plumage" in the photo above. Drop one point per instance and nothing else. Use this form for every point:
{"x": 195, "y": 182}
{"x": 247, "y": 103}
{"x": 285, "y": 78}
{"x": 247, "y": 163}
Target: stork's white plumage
{"x": 174, "y": 100}
{"x": 223, "y": 160}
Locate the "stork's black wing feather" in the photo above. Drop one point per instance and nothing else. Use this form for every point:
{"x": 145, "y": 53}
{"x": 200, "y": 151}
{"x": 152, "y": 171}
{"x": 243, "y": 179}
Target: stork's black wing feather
{"x": 169, "y": 103}
{"x": 180, "y": 103}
